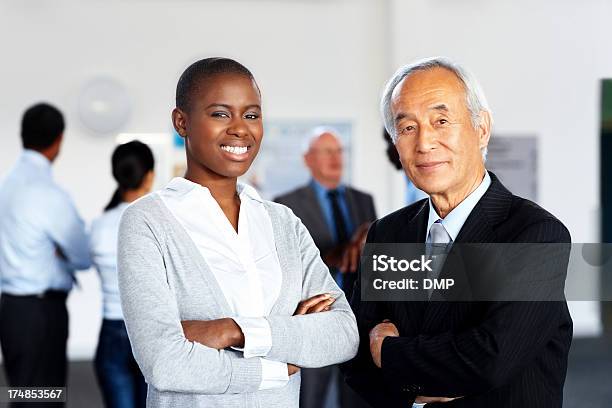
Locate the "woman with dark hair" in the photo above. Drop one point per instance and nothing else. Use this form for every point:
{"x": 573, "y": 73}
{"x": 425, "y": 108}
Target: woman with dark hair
{"x": 225, "y": 295}
{"x": 120, "y": 379}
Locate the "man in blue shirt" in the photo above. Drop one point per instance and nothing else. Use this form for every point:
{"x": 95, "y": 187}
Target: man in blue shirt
{"x": 42, "y": 243}
{"x": 337, "y": 217}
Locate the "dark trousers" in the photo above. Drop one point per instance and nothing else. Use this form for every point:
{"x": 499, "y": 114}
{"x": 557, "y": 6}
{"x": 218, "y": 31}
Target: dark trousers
{"x": 120, "y": 379}
{"x": 33, "y": 336}
{"x": 315, "y": 386}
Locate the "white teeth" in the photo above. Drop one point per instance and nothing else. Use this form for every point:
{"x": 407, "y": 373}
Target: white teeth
{"x": 235, "y": 149}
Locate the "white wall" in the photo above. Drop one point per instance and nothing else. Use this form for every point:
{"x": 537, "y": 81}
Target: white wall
{"x": 540, "y": 66}
{"x": 312, "y": 59}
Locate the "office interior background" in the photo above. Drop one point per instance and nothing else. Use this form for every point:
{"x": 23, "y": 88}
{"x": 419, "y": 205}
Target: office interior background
{"x": 541, "y": 64}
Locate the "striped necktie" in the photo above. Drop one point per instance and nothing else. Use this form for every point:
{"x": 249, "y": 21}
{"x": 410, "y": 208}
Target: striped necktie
{"x": 437, "y": 246}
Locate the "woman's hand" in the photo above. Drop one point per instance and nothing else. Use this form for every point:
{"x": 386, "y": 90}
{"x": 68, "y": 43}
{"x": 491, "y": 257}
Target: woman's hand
{"x": 292, "y": 369}
{"x": 223, "y": 333}
{"x": 315, "y": 304}
{"x": 220, "y": 334}
{"x": 217, "y": 334}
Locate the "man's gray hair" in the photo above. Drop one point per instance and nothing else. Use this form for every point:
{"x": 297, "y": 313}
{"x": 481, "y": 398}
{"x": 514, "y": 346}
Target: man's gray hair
{"x": 314, "y": 134}
{"x": 475, "y": 98}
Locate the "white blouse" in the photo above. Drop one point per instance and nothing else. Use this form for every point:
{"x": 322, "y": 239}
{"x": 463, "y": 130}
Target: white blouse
{"x": 103, "y": 248}
{"x": 244, "y": 263}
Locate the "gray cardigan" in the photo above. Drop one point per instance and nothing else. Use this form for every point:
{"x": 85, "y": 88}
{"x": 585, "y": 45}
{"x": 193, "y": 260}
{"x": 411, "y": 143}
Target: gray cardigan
{"x": 163, "y": 279}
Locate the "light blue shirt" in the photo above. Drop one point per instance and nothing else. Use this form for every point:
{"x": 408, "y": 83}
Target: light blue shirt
{"x": 104, "y": 232}
{"x": 455, "y": 219}
{"x": 38, "y": 221}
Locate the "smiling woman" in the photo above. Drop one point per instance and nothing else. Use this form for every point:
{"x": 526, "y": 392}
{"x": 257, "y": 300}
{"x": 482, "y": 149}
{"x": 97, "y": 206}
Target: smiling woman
{"x": 219, "y": 114}
{"x": 224, "y": 294}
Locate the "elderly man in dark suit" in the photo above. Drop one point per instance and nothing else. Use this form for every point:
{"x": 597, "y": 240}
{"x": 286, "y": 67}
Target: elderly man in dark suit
{"x": 337, "y": 217}
{"x": 498, "y": 353}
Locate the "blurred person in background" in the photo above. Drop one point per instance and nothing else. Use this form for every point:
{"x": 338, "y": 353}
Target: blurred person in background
{"x": 42, "y": 243}
{"x": 224, "y": 294}
{"x": 337, "y": 216}
{"x": 120, "y": 379}
{"x": 413, "y": 194}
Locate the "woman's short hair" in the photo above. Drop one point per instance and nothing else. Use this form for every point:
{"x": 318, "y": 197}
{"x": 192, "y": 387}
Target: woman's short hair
{"x": 197, "y": 73}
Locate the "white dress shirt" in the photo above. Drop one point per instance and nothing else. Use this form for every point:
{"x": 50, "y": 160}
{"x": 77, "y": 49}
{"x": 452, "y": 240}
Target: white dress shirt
{"x": 455, "y": 219}
{"x": 244, "y": 263}
{"x": 38, "y": 222}
{"x": 103, "y": 244}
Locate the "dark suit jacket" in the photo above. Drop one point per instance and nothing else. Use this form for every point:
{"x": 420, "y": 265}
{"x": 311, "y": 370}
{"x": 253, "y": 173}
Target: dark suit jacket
{"x": 303, "y": 201}
{"x": 493, "y": 354}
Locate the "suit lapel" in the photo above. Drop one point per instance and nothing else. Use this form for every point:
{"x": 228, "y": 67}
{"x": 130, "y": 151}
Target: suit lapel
{"x": 316, "y": 218}
{"x": 414, "y": 230}
{"x": 354, "y": 210}
{"x": 409, "y": 315}
{"x": 492, "y": 209}
{"x": 479, "y": 227}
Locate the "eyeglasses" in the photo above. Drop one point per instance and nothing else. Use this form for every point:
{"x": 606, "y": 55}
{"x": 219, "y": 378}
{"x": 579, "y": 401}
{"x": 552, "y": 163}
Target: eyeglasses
{"x": 329, "y": 152}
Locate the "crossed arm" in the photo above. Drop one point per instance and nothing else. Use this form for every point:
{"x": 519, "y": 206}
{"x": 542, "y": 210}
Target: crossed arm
{"x": 164, "y": 346}
{"x": 472, "y": 361}
{"x": 225, "y": 333}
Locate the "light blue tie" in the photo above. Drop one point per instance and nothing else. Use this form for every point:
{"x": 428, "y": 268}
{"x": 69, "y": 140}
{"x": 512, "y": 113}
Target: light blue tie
{"x": 438, "y": 244}
{"x": 438, "y": 234}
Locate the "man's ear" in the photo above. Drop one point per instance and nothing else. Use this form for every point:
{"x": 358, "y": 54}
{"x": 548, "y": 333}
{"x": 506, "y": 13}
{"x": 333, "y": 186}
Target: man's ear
{"x": 150, "y": 177}
{"x": 54, "y": 150}
{"x": 179, "y": 121}
{"x": 57, "y": 144}
{"x": 307, "y": 157}
{"x": 484, "y": 129}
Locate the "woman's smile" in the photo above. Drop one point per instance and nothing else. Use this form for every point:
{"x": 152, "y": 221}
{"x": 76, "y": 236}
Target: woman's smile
{"x": 236, "y": 152}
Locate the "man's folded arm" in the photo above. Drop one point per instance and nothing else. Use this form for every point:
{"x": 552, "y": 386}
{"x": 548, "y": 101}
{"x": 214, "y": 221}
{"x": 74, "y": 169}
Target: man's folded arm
{"x": 509, "y": 335}
{"x": 360, "y": 373}
{"x": 476, "y": 360}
